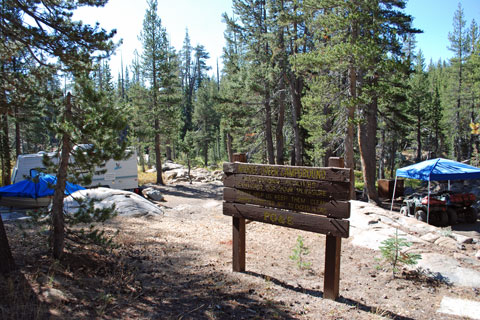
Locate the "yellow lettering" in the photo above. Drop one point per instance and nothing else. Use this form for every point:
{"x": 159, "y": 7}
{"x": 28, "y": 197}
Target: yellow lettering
{"x": 273, "y": 217}
{"x": 266, "y": 215}
{"x": 289, "y": 221}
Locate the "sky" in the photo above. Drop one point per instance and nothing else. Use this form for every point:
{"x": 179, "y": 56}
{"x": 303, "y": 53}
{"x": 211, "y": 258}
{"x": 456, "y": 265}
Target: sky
{"x": 435, "y": 19}
{"x": 203, "y": 18}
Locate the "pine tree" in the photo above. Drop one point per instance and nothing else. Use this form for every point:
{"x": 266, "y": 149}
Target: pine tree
{"x": 88, "y": 117}
{"x": 253, "y": 28}
{"x": 154, "y": 40}
{"x": 236, "y": 115}
{"x": 205, "y": 117}
{"x": 459, "y": 45}
{"x": 418, "y": 100}
{"x": 46, "y": 30}
{"x": 349, "y": 42}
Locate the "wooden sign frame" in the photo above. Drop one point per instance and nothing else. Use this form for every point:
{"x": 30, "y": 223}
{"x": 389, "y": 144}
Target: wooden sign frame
{"x": 304, "y": 198}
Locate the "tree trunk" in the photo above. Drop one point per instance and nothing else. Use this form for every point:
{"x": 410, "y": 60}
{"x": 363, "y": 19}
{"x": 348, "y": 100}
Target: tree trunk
{"x": 158, "y": 153}
{"x": 381, "y": 161}
{"x": 229, "y": 147}
{"x": 141, "y": 156}
{"x": 393, "y": 152}
{"x": 352, "y": 76}
{"x": 7, "y": 263}
{"x": 292, "y": 155}
{"x": 18, "y": 140}
{"x": 459, "y": 106}
{"x": 280, "y": 141}
{"x": 280, "y": 123}
{"x": 268, "y": 128}
{"x": 296, "y": 87}
{"x": 219, "y": 144}
{"x": 7, "y": 168}
{"x": 205, "y": 154}
{"x": 58, "y": 237}
{"x": 189, "y": 168}
{"x": 168, "y": 150}
{"x": 366, "y": 141}
{"x": 327, "y": 127}
{"x": 419, "y": 135}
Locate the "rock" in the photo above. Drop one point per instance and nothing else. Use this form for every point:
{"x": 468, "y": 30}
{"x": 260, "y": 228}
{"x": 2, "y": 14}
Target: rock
{"x": 449, "y": 269}
{"x": 461, "y": 246}
{"x": 54, "y": 296}
{"x": 461, "y": 238}
{"x": 151, "y": 170}
{"x": 477, "y": 255}
{"x": 446, "y": 242}
{"x": 460, "y": 308}
{"x": 430, "y": 237}
{"x": 169, "y": 165}
{"x": 126, "y": 203}
{"x": 152, "y": 194}
{"x": 169, "y": 175}
{"x": 374, "y": 221}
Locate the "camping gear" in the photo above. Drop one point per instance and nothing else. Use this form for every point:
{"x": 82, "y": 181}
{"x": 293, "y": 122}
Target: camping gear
{"x": 121, "y": 174}
{"x": 34, "y": 192}
{"x": 438, "y": 169}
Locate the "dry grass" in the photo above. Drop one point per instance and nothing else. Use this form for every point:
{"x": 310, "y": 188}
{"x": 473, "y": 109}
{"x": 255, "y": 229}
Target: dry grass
{"x": 146, "y": 177}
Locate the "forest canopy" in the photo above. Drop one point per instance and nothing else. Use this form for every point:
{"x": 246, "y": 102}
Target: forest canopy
{"x": 302, "y": 80}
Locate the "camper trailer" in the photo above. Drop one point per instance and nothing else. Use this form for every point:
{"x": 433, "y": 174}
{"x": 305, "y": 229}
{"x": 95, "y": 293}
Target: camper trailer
{"x": 121, "y": 174}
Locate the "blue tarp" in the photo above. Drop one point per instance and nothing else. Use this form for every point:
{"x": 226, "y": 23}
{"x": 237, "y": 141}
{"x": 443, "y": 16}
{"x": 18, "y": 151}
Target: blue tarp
{"x": 40, "y": 185}
{"x": 439, "y": 169}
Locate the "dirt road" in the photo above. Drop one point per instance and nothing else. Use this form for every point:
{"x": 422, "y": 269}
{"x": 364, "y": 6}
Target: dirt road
{"x": 178, "y": 266}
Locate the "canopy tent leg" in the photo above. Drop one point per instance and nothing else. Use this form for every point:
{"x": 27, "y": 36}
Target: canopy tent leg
{"x": 428, "y": 203}
{"x": 393, "y": 195}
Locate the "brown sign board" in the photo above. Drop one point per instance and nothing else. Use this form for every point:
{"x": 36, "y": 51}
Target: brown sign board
{"x": 297, "y": 191}
{"x": 329, "y": 208}
{"x": 304, "y": 198}
{"x": 290, "y": 219}
{"x": 312, "y": 188}
{"x": 311, "y": 173}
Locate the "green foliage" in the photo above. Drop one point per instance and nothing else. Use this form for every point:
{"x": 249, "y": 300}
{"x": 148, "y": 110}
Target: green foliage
{"x": 393, "y": 253}
{"x": 83, "y": 225}
{"x": 359, "y": 184}
{"x": 205, "y": 117}
{"x": 300, "y": 251}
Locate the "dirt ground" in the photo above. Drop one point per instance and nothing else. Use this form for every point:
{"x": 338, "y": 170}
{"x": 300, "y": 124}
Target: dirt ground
{"x": 178, "y": 266}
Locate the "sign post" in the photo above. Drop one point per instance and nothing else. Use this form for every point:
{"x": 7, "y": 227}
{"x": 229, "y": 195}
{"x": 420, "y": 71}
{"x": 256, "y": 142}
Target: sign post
{"x": 304, "y": 198}
{"x": 238, "y": 242}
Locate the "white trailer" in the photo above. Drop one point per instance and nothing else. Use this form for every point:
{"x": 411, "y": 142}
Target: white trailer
{"x": 121, "y": 174}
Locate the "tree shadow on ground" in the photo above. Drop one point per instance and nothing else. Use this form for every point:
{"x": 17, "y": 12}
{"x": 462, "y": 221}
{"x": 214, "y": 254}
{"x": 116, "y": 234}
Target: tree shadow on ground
{"x": 341, "y": 299}
{"x": 18, "y": 300}
{"x": 180, "y": 285}
{"x": 150, "y": 280}
{"x": 472, "y": 229}
{"x": 206, "y": 191}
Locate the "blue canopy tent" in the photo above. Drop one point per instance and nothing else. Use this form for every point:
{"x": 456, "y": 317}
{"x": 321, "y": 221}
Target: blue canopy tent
{"x": 40, "y": 185}
{"x": 436, "y": 170}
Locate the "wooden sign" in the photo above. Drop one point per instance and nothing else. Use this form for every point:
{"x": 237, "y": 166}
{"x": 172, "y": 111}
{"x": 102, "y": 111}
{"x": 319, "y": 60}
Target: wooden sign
{"x": 312, "y": 173}
{"x": 312, "y": 188}
{"x": 327, "y": 207}
{"x": 304, "y": 198}
{"x": 290, "y": 219}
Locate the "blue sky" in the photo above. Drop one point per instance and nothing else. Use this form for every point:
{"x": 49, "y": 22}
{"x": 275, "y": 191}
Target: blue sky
{"x": 203, "y": 18}
{"x": 204, "y": 23}
{"x": 435, "y": 18}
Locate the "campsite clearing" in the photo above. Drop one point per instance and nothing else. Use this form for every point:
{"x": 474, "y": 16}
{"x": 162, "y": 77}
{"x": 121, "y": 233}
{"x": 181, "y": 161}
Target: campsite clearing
{"x": 179, "y": 266}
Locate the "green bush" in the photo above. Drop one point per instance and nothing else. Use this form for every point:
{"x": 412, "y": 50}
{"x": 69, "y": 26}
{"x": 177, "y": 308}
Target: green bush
{"x": 393, "y": 253}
